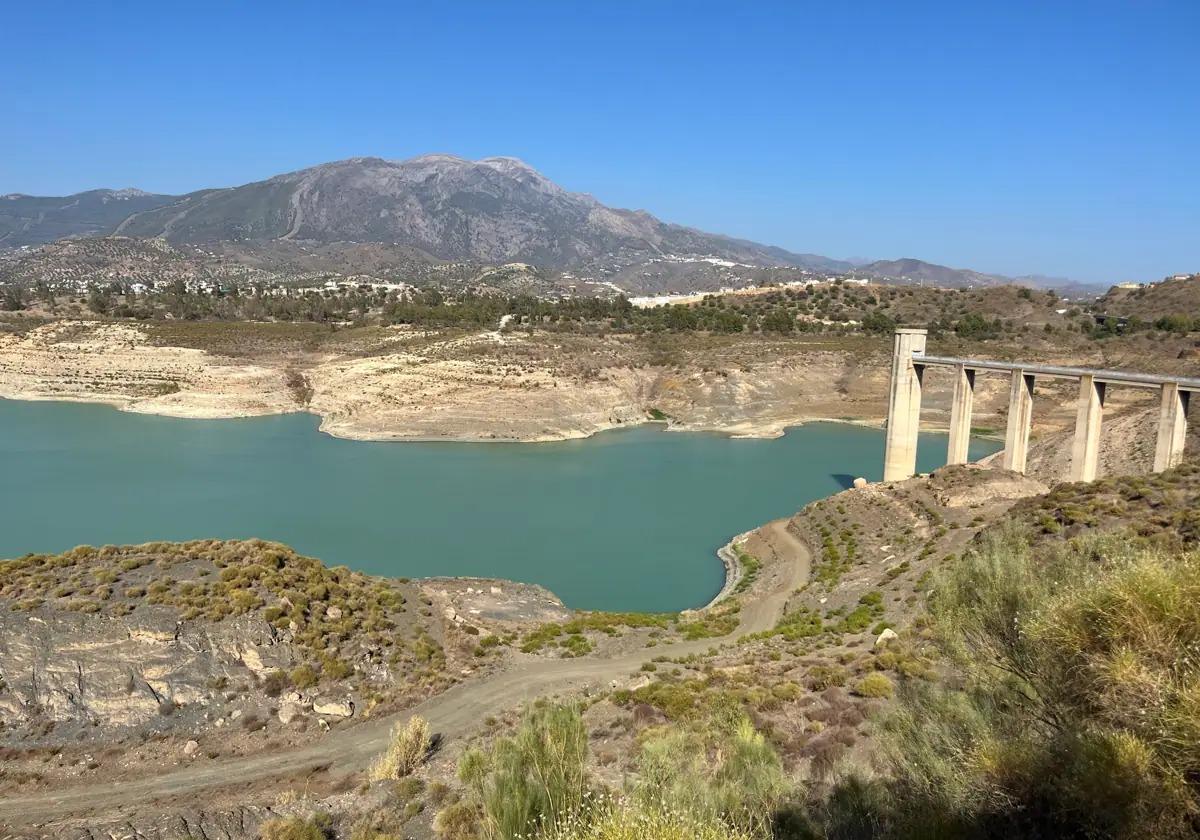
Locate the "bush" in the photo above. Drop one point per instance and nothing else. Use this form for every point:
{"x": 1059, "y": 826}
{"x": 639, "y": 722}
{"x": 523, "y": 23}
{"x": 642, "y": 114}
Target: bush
{"x": 874, "y": 685}
{"x": 458, "y": 821}
{"x": 631, "y": 822}
{"x": 1079, "y": 712}
{"x": 721, "y": 772}
{"x": 316, "y": 827}
{"x": 534, "y": 781}
{"x": 407, "y": 749}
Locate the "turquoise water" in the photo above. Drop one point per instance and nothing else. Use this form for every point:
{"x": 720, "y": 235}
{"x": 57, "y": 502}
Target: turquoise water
{"x": 626, "y": 520}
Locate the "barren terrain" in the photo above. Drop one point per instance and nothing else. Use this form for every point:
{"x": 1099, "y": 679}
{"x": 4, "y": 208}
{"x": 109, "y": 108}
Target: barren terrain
{"x": 392, "y": 383}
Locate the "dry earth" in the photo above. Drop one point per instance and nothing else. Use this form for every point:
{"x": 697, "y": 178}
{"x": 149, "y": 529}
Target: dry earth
{"x": 399, "y": 383}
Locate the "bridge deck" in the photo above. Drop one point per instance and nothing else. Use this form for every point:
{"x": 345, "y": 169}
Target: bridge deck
{"x": 1137, "y": 380}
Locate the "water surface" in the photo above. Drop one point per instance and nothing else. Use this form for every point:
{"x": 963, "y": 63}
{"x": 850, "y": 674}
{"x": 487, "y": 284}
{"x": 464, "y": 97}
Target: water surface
{"x": 625, "y": 520}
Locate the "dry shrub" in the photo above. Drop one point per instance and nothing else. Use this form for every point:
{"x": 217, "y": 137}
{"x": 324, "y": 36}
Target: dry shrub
{"x": 408, "y": 748}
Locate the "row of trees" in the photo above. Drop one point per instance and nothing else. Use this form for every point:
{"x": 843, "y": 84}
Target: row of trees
{"x": 778, "y": 313}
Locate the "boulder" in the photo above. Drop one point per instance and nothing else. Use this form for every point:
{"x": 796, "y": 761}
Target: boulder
{"x": 333, "y": 708}
{"x": 191, "y": 748}
{"x": 289, "y": 710}
{"x": 886, "y": 636}
{"x": 860, "y": 483}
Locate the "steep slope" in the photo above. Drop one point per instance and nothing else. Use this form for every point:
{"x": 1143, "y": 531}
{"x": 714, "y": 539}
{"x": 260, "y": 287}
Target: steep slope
{"x": 494, "y": 210}
{"x": 33, "y": 220}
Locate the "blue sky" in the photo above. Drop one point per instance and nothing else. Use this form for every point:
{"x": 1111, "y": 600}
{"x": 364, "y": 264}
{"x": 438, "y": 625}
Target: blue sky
{"x": 1057, "y": 138}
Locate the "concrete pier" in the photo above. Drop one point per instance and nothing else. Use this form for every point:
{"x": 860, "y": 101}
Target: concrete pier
{"x": 1085, "y": 449}
{"x": 904, "y": 406}
{"x": 1020, "y": 421}
{"x": 909, "y": 361}
{"x": 1172, "y": 427}
{"x": 960, "y": 415}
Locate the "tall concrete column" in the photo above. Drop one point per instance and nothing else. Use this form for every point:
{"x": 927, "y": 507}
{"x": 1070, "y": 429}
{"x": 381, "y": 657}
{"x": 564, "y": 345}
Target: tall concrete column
{"x": 1085, "y": 449}
{"x": 904, "y": 406}
{"x": 960, "y": 415}
{"x": 1172, "y": 427}
{"x": 1020, "y": 418}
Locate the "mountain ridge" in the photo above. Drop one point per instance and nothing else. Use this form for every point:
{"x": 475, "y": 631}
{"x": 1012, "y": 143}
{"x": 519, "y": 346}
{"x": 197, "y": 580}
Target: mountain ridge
{"x": 494, "y": 210}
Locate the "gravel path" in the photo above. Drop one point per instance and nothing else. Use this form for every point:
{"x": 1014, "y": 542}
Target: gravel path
{"x": 456, "y": 713}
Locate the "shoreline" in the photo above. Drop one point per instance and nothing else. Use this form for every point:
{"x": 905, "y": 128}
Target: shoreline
{"x": 133, "y": 405}
{"x": 734, "y": 571}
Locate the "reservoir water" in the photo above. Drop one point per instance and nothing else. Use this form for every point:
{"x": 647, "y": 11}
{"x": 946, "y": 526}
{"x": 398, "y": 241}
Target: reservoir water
{"x": 625, "y": 520}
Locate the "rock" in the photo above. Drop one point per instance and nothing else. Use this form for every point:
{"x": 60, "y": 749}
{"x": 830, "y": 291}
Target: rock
{"x": 333, "y": 613}
{"x": 323, "y": 724}
{"x": 496, "y": 590}
{"x": 860, "y": 483}
{"x": 641, "y": 682}
{"x": 886, "y": 636}
{"x": 191, "y": 748}
{"x": 289, "y": 710}
{"x": 252, "y": 660}
{"x": 332, "y": 708}
{"x": 235, "y": 714}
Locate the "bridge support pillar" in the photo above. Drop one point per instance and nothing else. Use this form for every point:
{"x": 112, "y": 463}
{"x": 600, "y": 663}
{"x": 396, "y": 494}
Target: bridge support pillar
{"x": 1020, "y": 419}
{"x": 960, "y": 415}
{"x": 1172, "y": 427}
{"x": 904, "y": 406}
{"x": 1085, "y": 449}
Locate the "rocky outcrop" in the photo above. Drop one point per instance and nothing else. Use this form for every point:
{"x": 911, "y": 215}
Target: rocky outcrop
{"x": 82, "y": 671}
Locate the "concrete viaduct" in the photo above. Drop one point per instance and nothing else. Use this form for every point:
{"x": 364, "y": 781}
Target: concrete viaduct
{"x": 904, "y": 409}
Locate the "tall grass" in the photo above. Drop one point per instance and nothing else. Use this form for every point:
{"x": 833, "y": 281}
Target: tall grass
{"x": 408, "y": 748}
{"x": 630, "y": 821}
{"x": 719, "y": 772}
{"x": 1073, "y": 701}
{"x": 533, "y": 782}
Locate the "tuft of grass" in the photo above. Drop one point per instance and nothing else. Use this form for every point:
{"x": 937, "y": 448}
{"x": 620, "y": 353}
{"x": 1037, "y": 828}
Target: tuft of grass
{"x": 875, "y": 685}
{"x": 407, "y": 749}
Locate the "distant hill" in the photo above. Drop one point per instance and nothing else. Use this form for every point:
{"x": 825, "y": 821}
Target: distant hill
{"x": 33, "y": 220}
{"x": 1177, "y": 295}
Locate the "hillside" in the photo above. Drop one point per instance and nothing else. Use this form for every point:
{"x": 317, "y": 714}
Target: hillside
{"x": 382, "y": 217}
{"x": 33, "y": 220}
{"x": 493, "y": 210}
{"x": 1174, "y": 296}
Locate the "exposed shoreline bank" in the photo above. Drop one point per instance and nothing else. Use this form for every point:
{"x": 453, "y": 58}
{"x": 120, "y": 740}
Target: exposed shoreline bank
{"x": 732, "y": 567}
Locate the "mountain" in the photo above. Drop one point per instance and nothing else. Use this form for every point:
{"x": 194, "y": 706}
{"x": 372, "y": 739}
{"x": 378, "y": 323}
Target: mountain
{"x": 33, "y": 220}
{"x": 437, "y": 209}
{"x": 930, "y": 274}
{"x": 495, "y": 210}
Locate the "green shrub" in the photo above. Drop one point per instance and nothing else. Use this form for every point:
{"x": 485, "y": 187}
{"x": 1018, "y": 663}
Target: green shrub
{"x": 316, "y": 827}
{"x": 723, "y": 771}
{"x": 1079, "y": 713}
{"x": 634, "y": 822}
{"x": 531, "y": 782}
{"x": 874, "y": 685}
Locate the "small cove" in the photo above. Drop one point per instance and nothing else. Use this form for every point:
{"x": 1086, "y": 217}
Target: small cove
{"x": 625, "y": 520}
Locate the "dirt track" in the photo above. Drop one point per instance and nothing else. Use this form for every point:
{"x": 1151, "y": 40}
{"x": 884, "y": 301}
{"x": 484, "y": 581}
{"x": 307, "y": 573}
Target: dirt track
{"x": 456, "y": 713}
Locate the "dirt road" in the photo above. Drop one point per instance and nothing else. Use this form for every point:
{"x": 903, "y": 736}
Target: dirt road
{"x": 456, "y": 713}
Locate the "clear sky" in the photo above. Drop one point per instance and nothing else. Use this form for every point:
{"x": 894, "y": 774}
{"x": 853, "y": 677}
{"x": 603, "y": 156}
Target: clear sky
{"x": 1018, "y": 137}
